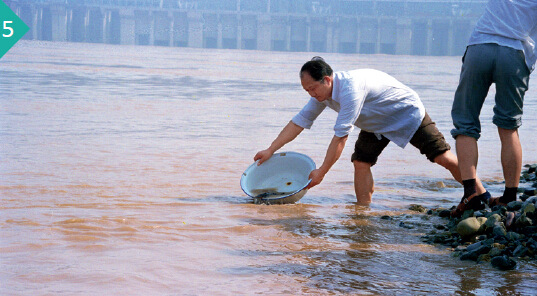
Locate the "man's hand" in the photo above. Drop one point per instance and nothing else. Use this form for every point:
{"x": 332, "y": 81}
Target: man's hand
{"x": 263, "y": 156}
{"x": 288, "y": 133}
{"x": 316, "y": 177}
{"x": 332, "y": 155}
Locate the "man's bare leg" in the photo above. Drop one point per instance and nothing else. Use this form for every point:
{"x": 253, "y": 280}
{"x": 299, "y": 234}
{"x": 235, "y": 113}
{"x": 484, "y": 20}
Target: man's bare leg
{"x": 449, "y": 161}
{"x": 467, "y": 154}
{"x": 363, "y": 182}
{"x": 511, "y": 156}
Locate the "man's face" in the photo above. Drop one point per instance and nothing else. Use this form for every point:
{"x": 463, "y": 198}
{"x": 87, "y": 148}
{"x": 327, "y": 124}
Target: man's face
{"x": 320, "y": 90}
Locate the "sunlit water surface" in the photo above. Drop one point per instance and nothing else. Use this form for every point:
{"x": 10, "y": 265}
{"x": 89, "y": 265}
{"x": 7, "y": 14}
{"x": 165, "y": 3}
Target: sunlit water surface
{"x": 120, "y": 169}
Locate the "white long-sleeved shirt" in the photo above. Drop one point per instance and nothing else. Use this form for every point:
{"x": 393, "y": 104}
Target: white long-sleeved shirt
{"x": 371, "y": 100}
{"x": 509, "y": 23}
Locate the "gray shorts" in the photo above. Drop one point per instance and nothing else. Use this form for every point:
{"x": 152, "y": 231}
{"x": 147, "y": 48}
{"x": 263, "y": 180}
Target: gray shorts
{"x": 484, "y": 64}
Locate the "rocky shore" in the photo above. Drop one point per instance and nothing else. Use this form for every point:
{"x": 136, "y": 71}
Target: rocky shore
{"x": 501, "y": 235}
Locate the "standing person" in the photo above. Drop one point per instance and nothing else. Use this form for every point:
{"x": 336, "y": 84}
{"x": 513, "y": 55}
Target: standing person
{"x": 383, "y": 108}
{"x": 501, "y": 50}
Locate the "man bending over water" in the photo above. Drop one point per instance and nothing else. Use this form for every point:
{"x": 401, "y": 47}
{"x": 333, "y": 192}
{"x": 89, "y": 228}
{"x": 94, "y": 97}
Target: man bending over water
{"x": 382, "y": 107}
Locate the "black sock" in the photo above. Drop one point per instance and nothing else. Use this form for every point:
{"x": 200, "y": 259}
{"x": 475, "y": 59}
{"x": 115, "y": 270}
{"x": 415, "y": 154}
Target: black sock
{"x": 509, "y": 195}
{"x": 469, "y": 187}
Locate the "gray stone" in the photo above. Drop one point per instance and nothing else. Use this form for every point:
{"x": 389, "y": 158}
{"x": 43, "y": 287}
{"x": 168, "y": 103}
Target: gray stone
{"x": 523, "y": 221}
{"x": 489, "y": 224}
{"x": 479, "y": 214}
{"x": 495, "y": 252}
{"x": 500, "y": 210}
{"x": 473, "y": 252}
{"x": 529, "y": 209}
{"x": 444, "y": 213}
{"x": 478, "y": 245}
{"x": 520, "y": 251}
{"x": 499, "y": 229}
{"x": 460, "y": 248}
{"x": 468, "y": 226}
{"x": 512, "y": 236}
{"x": 402, "y": 224}
{"x": 417, "y": 208}
{"x": 532, "y": 243}
{"x": 503, "y": 262}
{"x": 467, "y": 214}
{"x": 469, "y": 256}
{"x": 530, "y": 191}
{"x": 532, "y": 200}
{"x": 483, "y": 258}
{"x": 529, "y": 230}
{"x": 514, "y": 205}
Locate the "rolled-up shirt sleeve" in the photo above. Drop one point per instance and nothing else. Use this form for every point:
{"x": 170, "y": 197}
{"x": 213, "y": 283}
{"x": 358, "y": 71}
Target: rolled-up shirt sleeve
{"x": 308, "y": 114}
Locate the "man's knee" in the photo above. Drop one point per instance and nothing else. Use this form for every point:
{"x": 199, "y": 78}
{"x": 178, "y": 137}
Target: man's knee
{"x": 445, "y": 159}
{"x": 360, "y": 166}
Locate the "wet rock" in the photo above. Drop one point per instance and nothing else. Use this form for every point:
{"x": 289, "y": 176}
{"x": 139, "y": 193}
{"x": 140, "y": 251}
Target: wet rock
{"x": 444, "y": 213}
{"x": 514, "y": 205}
{"x": 528, "y": 230}
{"x": 417, "y": 208}
{"x": 491, "y": 221}
{"x": 478, "y": 245}
{"x": 500, "y": 210}
{"x": 531, "y": 168}
{"x": 520, "y": 251}
{"x": 532, "y": 200}
{"x": 528, "y": 176}
{"x": 523, "y": 221}
{"x": 440, "y": 227}
{"x": 530, "y": 192}
{"x": 512, "y": 236}
{"x": 503, "y": 262}
{"x": 467, "y": 214}
{"x": 499, "y": 230}
{"x": 475, "y": 250}
{"x": 529, "y": 209}
{"x": 470, "y": 226}
{"x": 501, "y": 234}
{"x": 481, "y": 237}
{"x": 443, "y": 238}
{"x": 483, "y": 258}
{"x": 386, "y": 217}
{"x": 494, "y": 252}
{"x": 404, "y": 225}
{"x": 480, "y": 214}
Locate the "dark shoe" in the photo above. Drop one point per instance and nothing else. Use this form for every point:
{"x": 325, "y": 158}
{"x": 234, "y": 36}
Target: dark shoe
{"x": 472, "y": 202}
{"x": 495, "y": 201}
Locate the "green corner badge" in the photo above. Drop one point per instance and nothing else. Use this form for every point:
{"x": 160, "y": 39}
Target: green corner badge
{"x": 12, "y": 28}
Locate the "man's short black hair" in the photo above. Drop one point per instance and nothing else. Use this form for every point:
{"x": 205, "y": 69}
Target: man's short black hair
{"x": 317, "y": 68}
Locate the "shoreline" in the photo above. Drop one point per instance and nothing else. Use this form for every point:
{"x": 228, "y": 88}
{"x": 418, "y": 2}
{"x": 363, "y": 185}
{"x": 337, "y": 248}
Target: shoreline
{"x": 501, "y": 235}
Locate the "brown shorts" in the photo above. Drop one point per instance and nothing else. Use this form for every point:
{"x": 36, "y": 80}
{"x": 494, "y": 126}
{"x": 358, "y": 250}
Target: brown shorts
{"x": 428, "y": 139}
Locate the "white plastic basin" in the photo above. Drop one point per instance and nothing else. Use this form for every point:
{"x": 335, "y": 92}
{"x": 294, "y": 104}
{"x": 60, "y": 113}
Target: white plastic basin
{"x": 281, "y": 179}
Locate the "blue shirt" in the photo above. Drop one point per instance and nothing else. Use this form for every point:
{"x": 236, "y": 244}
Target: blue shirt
{"x": 371, "y": 100}
{"x": 509, "y": 23}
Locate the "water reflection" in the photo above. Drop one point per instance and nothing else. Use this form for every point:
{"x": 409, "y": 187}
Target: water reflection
{"x": 351, "y": 251}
